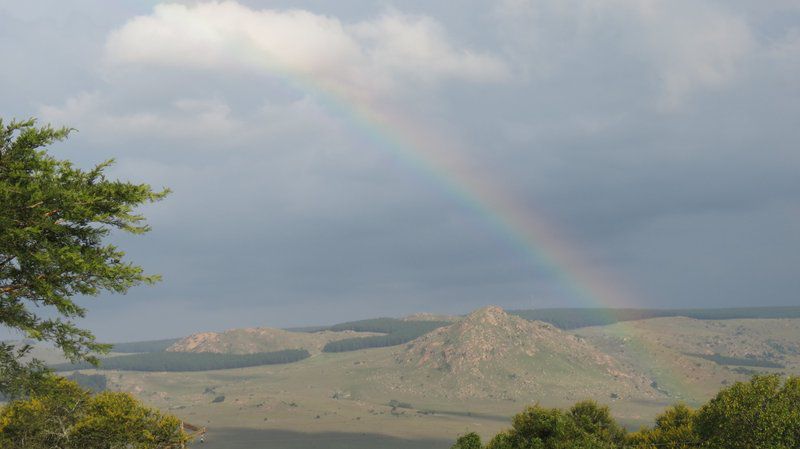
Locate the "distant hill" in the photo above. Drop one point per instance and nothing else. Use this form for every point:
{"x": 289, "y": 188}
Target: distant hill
{"x": 479, "y": 370}
{"x": 576, "y": 318}
{"x": 261, "y": 339}
{"x": 492, "y": 353}
{"x": 689, "y": 355}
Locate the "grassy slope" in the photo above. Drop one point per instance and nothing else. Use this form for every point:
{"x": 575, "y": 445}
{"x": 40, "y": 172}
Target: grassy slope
{"x": 350, "y": 392}
{"x": 661, "y": 347}
{"x": 291, "y": 397}
{"x": 253, "y": 340}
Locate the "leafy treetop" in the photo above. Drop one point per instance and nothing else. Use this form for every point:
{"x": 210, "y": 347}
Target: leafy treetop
{"x": 62, "y": 415}
{"x": 763, "y": 413}
{"x": 54, "y": 218}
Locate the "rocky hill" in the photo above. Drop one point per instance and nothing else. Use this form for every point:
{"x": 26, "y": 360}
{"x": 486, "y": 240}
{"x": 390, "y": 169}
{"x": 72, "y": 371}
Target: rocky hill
{"x": 491, "y": 353}
{"x": 260, "y": 339}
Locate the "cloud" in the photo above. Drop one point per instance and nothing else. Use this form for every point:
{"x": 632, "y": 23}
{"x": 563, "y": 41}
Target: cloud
{"x": 184, "y": 118}
{"x": 285, "y": 205}
{"x": 374, "y": 56}
{"x": 683, "y": 46}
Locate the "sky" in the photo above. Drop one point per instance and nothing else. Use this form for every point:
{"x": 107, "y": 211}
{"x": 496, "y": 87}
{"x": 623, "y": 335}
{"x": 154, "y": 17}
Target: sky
{"x": 332, "y": 161}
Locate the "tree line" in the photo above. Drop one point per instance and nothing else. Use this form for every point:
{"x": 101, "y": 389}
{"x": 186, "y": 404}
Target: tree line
{"x": 762, "y": 413}
{"x": 396, "y": 332}
{"x": 737, "y": 361}
{"x": 188, "y": 361}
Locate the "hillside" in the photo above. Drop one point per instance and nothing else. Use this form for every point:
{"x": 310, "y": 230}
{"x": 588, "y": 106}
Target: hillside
{"x": 260, "y": 339}
{"x": 688, "y": 357}
{"x": 473, "y": 374}
{"x": 491, "y": 353}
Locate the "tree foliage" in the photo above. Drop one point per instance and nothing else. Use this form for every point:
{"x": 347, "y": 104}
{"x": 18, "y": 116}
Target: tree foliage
{"x": 190, "y": 361}
{"x": 16, "y": 376}
{"x": 586, "y": 425}
{"x": 673, "y": 429}
{"x": 54, "y": 219}
{"x": 468, "y": 441}
{"x": 397, "y": 332}
{"x": 761, "y": 414}
{"x": 62, "y": 415}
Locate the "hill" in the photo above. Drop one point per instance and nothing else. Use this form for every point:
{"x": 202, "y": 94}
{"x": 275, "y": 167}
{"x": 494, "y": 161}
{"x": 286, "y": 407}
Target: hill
{"x": 577, "y": 318}
{"x": 491, "y": 353}
{"x": 688, "y": 357}
{"x": 260, "y": 339}
{"x": 473, "y": 374}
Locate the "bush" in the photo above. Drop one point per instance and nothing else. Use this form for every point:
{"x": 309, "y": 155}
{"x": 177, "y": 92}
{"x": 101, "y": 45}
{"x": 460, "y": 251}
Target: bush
{"x": 469, "y": 441}
{"x": 587, "y": 425}
{"x": 763, "y": 413}
{"x": 61, "y": 414}
{"x": 673, "y": 429}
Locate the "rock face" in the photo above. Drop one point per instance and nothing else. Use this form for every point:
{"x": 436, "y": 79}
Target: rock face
{"x": 484, "y": 335}
{"x": 492, "y": 351}
{"x": 259, "y": 339}
{"x": 491, "y": 335}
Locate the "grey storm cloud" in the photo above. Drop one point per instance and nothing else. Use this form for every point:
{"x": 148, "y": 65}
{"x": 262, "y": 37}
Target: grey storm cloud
{"x": 660, "y": 137}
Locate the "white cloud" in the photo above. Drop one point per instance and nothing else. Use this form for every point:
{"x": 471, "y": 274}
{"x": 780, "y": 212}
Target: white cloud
{"x": 371, "y": 56}
{"x": 418, "y": 46}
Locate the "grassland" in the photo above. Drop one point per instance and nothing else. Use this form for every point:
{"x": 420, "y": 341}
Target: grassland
{"x": 371, "y": 398}
{"x": 339, "y": 392}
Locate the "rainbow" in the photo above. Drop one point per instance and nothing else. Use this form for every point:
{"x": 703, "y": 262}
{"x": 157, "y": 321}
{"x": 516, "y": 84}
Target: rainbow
{"x": 445, "y": 163}
{"x": 540, "y": 241}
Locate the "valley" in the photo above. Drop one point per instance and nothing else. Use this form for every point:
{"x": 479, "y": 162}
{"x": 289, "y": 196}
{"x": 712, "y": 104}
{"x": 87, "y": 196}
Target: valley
{"x": 471, "y": 373}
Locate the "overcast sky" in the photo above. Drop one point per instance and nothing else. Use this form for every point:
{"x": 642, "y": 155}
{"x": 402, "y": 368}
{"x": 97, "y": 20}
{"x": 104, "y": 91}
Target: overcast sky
{"x": 311, "y": 148}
